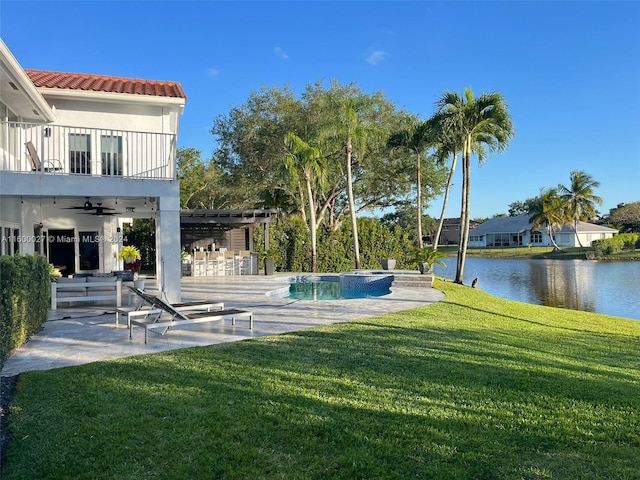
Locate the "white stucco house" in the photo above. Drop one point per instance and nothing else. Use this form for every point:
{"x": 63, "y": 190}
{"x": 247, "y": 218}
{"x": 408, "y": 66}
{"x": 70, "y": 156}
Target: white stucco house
{"x": 517, "y": 231}
{"x": 81, "y": 154}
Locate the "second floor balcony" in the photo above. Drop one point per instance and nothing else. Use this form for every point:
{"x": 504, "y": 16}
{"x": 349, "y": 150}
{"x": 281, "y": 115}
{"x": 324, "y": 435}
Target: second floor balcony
{"x": 90, "y": 152}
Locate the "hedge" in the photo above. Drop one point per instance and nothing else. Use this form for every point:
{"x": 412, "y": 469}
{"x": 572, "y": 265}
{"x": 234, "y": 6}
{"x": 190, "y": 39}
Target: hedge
{"x": 623, "y": 241}
{"x": 24, "y": 299}
{"x": 290, "y": 237}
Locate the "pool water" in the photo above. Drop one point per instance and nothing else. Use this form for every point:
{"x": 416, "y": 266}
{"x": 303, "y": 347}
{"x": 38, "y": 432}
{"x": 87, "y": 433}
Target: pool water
{"x": 332, "y": 289}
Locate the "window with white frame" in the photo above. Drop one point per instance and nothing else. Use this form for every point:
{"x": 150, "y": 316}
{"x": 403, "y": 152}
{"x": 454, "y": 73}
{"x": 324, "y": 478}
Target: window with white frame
{"x": 80, "y": 153}
{"x": 111, "y": 151}
{"x": 536, "y": 237}
{"x": 9, "y": 240}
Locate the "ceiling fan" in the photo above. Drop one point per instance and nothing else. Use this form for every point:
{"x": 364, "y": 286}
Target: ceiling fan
{"x": 90, "y": 209}
{"x": 100, "y": 211}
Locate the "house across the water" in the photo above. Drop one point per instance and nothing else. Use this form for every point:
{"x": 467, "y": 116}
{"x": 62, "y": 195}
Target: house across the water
{"x": 517, "y": 231}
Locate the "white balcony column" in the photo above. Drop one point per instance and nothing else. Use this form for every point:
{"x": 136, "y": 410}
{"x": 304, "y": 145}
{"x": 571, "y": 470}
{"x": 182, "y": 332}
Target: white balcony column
{"x": 168, "y": 248}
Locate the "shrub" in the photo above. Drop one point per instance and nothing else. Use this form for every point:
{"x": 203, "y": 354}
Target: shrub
{"x": 624, "y": 241}
{"x": 24, "y": 299}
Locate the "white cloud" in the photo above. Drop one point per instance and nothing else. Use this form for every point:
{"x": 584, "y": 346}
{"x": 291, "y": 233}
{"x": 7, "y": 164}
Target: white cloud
{"x": 213, "y": 72}
{"x": 281, "y": 53}
{"x": 376, "y": 57}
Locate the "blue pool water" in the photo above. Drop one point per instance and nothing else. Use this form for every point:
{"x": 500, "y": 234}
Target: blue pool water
{"x": 338, "y": 287}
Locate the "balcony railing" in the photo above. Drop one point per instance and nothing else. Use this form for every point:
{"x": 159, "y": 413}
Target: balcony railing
{"x": 63, "y": 150}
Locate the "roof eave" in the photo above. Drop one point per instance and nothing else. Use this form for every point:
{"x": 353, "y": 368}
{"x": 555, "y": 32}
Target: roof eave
{"x": 23, "y": 82}
{"x": 112, "y": 97}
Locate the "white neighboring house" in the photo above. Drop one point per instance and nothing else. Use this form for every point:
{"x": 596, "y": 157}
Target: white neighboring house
{"x": 517, "y": 231}
{"x": 107, "y": 148}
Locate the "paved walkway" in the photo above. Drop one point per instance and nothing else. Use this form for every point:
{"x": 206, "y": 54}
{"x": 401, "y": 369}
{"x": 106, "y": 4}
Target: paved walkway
{"x": 75, "y": 336}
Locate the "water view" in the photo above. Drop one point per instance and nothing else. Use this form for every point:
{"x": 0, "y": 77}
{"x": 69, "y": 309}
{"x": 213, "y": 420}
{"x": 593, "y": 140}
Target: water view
{"x": 612, "y": 288}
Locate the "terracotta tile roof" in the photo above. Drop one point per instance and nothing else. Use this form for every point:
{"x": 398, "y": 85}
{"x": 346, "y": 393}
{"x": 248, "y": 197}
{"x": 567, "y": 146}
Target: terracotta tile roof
{"x": 102, "y": 83}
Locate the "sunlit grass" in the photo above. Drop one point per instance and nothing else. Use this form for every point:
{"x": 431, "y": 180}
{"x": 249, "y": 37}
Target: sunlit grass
{"x": 472, "y": 387}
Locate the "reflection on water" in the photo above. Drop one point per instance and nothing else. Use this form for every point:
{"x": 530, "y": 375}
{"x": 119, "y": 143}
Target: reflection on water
{"x": 612, "y": 288}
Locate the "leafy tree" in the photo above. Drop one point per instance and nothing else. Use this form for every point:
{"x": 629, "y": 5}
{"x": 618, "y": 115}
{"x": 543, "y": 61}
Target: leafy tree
{"x": 525, "y": 207}
{"x": 579, "y": 199}
{"x": 250, "y": 150}
{"x": 201, "y": 185}
{"x": 626, "y": 217}
{"x": 404, "y": 217}
{"x": 476, "y": 124}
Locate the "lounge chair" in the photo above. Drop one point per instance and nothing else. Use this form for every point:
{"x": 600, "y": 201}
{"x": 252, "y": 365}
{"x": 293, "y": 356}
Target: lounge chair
{"x": 143, "y": 309}
{"x": 206, "y": 305}
{"x": 36, "y": 164}
{"x": 185, "y": 318}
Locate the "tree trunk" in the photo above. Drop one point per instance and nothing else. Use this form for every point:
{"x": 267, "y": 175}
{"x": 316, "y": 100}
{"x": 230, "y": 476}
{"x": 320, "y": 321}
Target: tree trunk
{"x": 436, "y": 239}
{"x": 419, "y": 198}
{"x": 575, "y": 230}
{"x": 464, "y": 211}
{"x": 556, "y": 248}
{"x": 312, "y": 225}
{"x": 352, "y": 205}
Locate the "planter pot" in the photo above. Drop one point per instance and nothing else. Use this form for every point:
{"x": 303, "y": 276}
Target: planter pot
{"x": 388, "y": 263}
{"x": 139, "y": 284}
{"x": 425, "y": 268}
{"x": 269, "y": 264}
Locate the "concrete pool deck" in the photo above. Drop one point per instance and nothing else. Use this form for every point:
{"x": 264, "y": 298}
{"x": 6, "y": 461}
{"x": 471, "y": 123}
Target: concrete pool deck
{"x": 80, "y": 335}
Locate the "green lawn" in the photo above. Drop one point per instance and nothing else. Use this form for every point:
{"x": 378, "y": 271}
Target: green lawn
{"x": 566, "y": 253}
{"x": 474, "y": 387}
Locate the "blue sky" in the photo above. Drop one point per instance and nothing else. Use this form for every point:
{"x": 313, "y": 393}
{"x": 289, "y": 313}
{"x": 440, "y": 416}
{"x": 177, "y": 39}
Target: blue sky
{"x": 570, "y": 71}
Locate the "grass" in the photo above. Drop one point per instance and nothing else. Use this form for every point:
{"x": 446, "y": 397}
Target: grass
{"x": 566, "y": 253}
{"x": 474, "y": 387}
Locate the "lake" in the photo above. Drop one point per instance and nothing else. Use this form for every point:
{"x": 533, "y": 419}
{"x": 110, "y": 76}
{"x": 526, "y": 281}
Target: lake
{"x": 612, "y": 288}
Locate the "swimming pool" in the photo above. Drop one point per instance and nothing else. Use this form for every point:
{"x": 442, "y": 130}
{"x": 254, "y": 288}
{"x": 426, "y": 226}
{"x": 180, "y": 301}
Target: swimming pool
{"x": 338, "y": 287}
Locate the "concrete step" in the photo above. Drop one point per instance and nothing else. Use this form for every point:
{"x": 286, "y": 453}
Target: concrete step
{"x": 413, "y": 281}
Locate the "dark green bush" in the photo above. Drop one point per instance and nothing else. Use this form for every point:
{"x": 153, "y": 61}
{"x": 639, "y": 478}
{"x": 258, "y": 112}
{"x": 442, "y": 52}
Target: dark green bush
{"x": 24, "y": 299}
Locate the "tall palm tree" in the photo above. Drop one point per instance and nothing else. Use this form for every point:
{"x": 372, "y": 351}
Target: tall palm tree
{"x": 477, "y": 124}
{"x": 445, "y": 145}
{"x": 355, "y": 129}
{"x": 301, "y": 159}
{"x": 579, "y": 198}
{"x": 417, "y": 137}
{"x": 548, "y": 210}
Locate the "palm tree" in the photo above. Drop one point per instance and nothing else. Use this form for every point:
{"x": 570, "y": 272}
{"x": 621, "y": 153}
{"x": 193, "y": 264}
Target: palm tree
{"x": 475, "y": 124}
{"x": 301, "y": 159}
{"x": 445, "y": 146}
{"x": 417, "y": 138}
{"x": 579, "y": 199}
{"x": 355, "y": 129}
{"x": 547, "y": 210}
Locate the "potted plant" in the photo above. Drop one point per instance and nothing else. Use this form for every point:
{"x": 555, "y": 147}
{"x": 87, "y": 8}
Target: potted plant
{"x": 131, "y": 257}
{"x": 269, "y": 258}
{"x": 427, "y": 258}
{"x": 388, "y": 263}
{"x": 54, "y": 273}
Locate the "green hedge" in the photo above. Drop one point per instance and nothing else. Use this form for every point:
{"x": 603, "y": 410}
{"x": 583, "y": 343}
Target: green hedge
{"x": 24, "y": 299}
{"x": 290, "y": 237}
{"x": 624, "y": 241}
